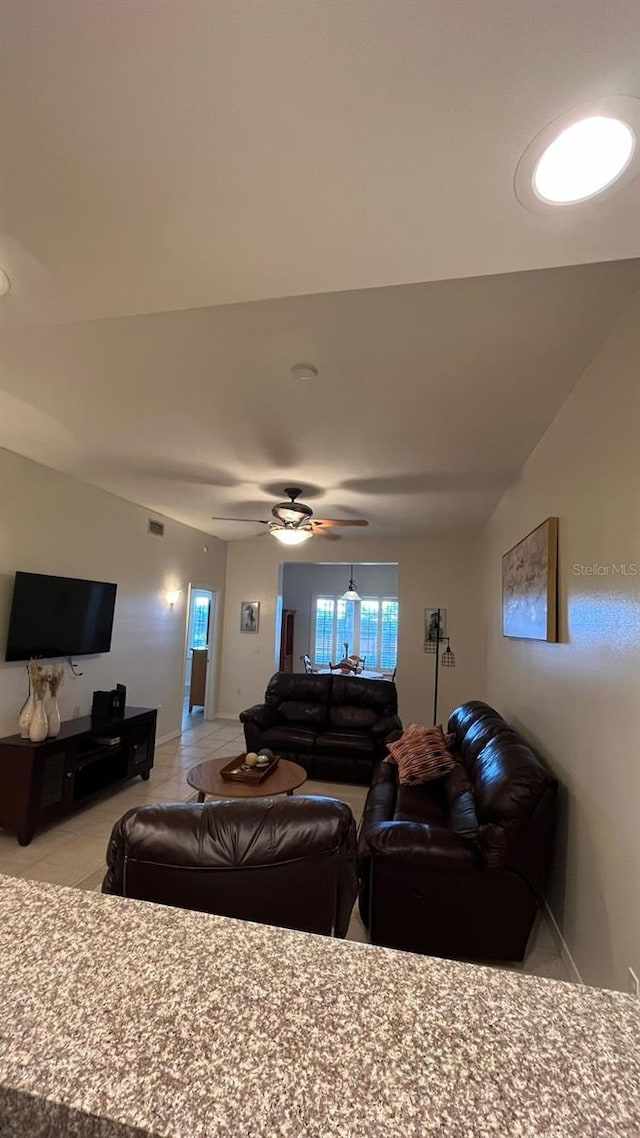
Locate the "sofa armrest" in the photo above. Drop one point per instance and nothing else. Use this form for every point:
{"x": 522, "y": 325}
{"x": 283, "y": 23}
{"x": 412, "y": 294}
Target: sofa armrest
{"x": 387, "y": 729}
{"x": 425, "y": 845}
{"x": 261, "y": 714}
{"x": 113, "y": 881}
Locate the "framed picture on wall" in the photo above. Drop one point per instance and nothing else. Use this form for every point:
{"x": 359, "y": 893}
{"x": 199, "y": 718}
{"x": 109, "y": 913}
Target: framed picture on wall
{"x": 530, "y": 585}
{"x": 249, "y": 616}
{"x": 432, "y": 634}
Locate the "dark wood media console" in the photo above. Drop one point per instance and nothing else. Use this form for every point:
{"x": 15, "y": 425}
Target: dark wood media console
{"x": 43, "y": 781}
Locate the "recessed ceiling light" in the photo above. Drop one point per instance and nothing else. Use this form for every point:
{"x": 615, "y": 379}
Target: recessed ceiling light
{"x": 586, "y": 153}
{"x": 5, "y": 283}
{"x": 304, "y": 371}
{"x": 583, "y": 160}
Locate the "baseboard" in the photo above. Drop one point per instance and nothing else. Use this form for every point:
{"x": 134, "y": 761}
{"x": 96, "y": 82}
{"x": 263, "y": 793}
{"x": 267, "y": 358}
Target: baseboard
{"x": 167, "y": 738}
{"x": 563, "y": 947}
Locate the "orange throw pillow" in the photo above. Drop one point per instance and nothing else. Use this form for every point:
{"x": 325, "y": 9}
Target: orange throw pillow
{"x": 421, "y": 754}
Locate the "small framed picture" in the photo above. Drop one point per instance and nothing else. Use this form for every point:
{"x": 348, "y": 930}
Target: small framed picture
{"x": 435, "y": 628}
{"x": 249, "y": 616}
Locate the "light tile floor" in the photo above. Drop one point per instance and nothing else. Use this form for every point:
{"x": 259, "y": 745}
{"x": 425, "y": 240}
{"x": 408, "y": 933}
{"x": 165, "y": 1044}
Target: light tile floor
{"x": 73, "y": 851}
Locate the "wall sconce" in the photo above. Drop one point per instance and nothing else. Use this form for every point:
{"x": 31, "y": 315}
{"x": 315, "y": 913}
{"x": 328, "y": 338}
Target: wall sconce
{"x": 172, "y": 596}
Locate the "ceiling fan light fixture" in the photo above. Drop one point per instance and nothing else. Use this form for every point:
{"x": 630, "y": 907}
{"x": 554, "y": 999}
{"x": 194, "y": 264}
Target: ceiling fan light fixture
{"x": 352, "y": 593}
{"x": 290, "y": 536}
{"x": 292, "y": 511}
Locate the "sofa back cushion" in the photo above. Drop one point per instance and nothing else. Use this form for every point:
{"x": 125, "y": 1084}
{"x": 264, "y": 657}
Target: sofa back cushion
{"x": 297, "y": 688}
{"x": 507, "y": 778}
{"x": 297, "y": 711}
{"x": 473, "y": 725}
{"x": 353, "y": 718}
{"x": 379, "y": 696}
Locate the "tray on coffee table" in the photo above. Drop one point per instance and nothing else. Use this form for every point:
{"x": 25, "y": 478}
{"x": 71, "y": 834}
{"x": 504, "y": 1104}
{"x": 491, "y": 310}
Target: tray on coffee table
{"x": 234, "y": 772}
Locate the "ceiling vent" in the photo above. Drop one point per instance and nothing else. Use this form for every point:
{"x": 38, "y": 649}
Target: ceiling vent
{"x": 156, "y": 528}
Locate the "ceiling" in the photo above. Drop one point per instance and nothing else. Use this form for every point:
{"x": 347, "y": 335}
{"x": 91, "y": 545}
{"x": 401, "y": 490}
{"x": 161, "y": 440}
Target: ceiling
{"x": 429, "y": 398}
{"x": 197, "y": 194}
{"x": 163, "y": 154}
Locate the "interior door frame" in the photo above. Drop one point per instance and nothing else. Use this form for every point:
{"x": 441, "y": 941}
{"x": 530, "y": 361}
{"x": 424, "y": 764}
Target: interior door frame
{"x": 212, "y": 658}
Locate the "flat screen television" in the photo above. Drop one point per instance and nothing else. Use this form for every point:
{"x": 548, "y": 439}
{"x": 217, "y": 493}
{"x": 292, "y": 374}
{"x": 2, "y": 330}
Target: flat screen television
{"x": 59, "y": 616}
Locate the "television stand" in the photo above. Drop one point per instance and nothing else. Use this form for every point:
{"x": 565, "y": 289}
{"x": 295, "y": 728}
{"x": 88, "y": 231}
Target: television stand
{"x": 40, "y": 782}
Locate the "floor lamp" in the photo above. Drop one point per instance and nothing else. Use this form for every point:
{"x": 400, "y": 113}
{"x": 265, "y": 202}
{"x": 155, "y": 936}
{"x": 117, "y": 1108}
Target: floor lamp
{"x": 447, "y": 660}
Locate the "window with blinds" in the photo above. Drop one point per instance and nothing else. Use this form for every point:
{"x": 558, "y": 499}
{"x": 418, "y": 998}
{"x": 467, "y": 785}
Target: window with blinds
{"x": 369, "y": 629}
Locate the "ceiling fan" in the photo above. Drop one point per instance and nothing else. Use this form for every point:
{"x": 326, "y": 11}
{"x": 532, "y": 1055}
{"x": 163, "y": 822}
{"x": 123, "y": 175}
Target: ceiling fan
{"x": 294, "y": 522}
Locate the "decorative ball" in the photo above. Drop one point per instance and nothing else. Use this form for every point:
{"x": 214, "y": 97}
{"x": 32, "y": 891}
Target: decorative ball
{"x": 266, "y": 752}
{"x": 251, "y": 759}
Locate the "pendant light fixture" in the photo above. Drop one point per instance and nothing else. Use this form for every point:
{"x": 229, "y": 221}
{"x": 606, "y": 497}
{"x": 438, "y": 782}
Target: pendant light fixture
{"x": 351, "y": 593}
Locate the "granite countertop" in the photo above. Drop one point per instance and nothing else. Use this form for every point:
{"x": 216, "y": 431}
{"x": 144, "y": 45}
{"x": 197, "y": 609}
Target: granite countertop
{"x": 122, "y": 1019}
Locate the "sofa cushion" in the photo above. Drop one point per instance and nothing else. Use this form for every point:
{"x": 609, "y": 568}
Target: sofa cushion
{"x": 353, "y": 718}
{"x": 508, "y": 780}
{"x": 353, "y": 691}
{"x": 299, "y": 687}
{"x": 465, "y": 717}
{"x": 424, "y": 803}
{"x": 297, "y": 711}
{"x": 460, "y": 801}
{"x": 421, "y": 755}
{"x": 288, "y": 737}
{"x": 343, "y": 742}
{"x": 380, "y": 802}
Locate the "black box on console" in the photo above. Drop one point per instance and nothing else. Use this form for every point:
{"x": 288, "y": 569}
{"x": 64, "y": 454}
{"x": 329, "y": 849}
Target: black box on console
{"x": 109, "y": 704}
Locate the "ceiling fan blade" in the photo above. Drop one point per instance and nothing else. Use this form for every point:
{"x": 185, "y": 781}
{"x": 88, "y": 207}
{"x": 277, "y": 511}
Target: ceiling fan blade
{"x": 339, "y": 522}
{"x": 253, "y": 521}
{"x": 329, "y": 535}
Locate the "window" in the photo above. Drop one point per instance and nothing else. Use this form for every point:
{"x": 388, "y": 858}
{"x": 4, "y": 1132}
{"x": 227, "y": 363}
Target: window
{"x": 369, "y": 629}
{"x": 200, "y": 622}
{"x": 334, "y": 626}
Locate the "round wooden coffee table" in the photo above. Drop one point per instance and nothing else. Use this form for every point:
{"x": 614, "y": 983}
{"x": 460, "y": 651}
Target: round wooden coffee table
{"x": 205, "y": 778}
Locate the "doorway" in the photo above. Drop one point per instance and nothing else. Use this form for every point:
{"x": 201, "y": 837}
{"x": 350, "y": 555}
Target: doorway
{"x": 199, "y": 653}
{"x": 321, "y": 626}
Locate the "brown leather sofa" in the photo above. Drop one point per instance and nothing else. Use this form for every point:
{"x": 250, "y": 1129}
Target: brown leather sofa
{"x": 455, "y": 867}
{"x": 279, "y": 861}
{"x": 337, "y": 727}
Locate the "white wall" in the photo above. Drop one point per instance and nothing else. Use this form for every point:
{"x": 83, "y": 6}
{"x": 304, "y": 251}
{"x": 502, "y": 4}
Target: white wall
{"x": 578, "y": 700}
{"x": 51, "y": 523}
{"x": 301, "y": 583}
{"x": 430, "y": 574}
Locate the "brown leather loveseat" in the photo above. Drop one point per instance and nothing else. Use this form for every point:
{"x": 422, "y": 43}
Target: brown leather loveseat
{"x": 337, "y": 727}
{"x": 455, "y": 867}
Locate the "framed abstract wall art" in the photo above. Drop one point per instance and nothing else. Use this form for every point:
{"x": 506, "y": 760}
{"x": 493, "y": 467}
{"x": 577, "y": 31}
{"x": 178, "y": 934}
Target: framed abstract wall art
{"x": 530, "y": 585}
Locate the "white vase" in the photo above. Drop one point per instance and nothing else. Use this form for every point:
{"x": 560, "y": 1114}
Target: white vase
{"x": 26, "y": 715}
{"x": 38, "y": 726}
{"x": 52, "y": 712}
